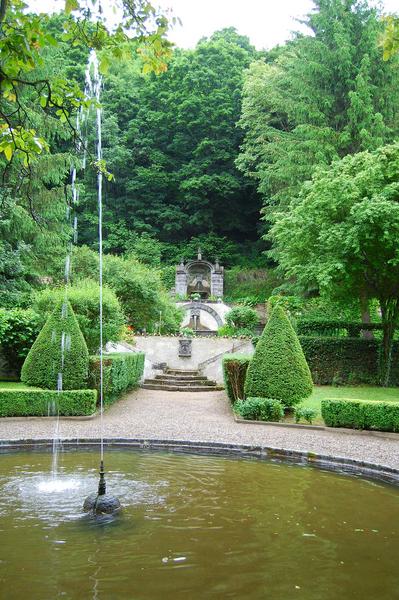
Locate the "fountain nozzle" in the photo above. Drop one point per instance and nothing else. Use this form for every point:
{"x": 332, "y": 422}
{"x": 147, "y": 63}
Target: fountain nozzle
{"x": 101, "y": 484}
{"x": 101, "y": 503}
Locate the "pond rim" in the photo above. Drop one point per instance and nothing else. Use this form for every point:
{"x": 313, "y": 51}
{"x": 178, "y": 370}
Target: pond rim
{"x": 336, "y": 464}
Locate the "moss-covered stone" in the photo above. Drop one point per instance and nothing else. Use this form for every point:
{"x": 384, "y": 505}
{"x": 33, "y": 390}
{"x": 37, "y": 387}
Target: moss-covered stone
{"x": 45, "y": 360}
{"x": 278, "y": 368}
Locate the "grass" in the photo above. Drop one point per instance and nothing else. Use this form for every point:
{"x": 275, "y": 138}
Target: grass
{"x": 327, "y": 392}
{"x": 15, "y": 385}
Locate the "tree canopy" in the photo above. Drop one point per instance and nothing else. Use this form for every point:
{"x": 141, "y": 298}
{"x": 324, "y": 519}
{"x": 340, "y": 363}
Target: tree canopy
{"x": 341, "y": 234}
{"x": 318, "y": 98}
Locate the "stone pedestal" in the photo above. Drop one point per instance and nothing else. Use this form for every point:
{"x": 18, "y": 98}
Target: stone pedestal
{"x": 181, "y": 280}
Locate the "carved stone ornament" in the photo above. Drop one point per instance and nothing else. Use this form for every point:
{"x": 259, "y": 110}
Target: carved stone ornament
{"x": 185, "y": 347}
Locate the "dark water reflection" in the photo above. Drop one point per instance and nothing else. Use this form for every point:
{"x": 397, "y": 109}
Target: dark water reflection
{"x": 194, "y": 527}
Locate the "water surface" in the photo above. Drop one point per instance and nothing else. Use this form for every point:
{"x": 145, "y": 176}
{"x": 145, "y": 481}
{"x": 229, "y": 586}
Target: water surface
{"x": 194, "y": 527}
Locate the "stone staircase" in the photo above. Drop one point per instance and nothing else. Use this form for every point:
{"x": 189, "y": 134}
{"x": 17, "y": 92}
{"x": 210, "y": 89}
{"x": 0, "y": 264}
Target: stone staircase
{"x": 177, "y": 380}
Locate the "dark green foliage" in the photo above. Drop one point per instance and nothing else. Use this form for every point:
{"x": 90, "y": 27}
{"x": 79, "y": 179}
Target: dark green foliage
{"x": 44, "y": 361}
{"x": 348, "y": 360}
{"x": 121, "y": 372}
{"x": 278, "y": 368}
{"x": 18, "y": 330}
{"x": 308, "y": 414}
{"x": 84, "y": 297}
{"x": 38, "y": 403}
{"x": 254, "y": 284}
{"x": 335, "y": 328}
{"x": 242, "y": 317}
{"x": 172, "y": 142}
{"x": 321, "y": 97}
{"x": 234, "y": 371}
{"x": 361, "y": 414}
{"x": 260, "y": 409}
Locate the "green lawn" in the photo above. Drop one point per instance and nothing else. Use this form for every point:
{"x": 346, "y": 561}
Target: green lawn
{"x": 327, "y": 392}
{"x": 15, "y": 385}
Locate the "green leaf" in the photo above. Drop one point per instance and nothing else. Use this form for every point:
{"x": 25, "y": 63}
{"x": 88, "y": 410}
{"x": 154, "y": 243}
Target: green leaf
{"x": 71, "y": 5}
{"x": 8, "y": 152}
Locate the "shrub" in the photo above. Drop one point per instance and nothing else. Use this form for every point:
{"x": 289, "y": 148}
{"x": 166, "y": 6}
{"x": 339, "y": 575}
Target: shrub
{"x": 45, "y": 361}
{"x": 260, "y": 409}
{"x": 18, "y": 330}
{"x": 84, "y": 297}
{"x": 187, "y": 332}
{"x": 226, "y": 331}
{"x": 278, "y": 368}
{"x": 242, "y": 317}
{"x": 308, "y": 414}
{"x": 234, "y": 371}
{"x": 121, "y": 372}
{"x": 346, "y": 360}
{"x": 292, "y": 304}
{"x": 139, "y": 290}
{"x": 246, "y": 282}
{"x": 25, "y": 403}
{"x": 361, "y": 414}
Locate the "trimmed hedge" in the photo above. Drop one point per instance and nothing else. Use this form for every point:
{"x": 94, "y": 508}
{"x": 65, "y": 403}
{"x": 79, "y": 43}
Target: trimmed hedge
{"x": 121, "y": 372}
{"x": 278, "y": 368}
{"x": 361, "y": 414}
{"x": 44, "y": 360}
{"x": 234, "y": 371}
{"x": 331, "y": 328}
{"x": 38, "y": 403}
{"x": 260, "y": 409}
{"x": 346, "y": 361}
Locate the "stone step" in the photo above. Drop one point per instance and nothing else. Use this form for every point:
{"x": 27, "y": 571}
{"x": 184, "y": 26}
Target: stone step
{"x": 181, "y": 388}
{"x": 194, "y": 372}
{"x": 181, "y": 377}
{"x": 180, "y": 382}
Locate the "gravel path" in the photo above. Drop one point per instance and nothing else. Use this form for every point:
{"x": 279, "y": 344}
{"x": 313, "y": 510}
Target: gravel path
{"x": 203, "y": 417}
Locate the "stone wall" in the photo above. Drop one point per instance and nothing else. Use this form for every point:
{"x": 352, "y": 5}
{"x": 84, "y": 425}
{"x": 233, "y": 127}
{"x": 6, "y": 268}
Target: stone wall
{"x": 207, "y": 354}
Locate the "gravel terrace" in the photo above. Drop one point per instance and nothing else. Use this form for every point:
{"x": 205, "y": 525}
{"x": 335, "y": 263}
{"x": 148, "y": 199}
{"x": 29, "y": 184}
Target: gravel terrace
{"x": 203, "y": 417}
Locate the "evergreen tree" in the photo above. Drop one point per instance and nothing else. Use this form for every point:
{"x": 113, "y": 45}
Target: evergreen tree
{"x": 278, "y": 368}
{"x": 59, "y": 353}
{"x": 319, "y": 98}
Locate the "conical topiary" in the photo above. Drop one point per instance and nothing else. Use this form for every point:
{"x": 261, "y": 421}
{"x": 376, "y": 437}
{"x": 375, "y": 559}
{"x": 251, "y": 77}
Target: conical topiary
{"x": 59, "y": 353}
{"x": 278, "y": 368}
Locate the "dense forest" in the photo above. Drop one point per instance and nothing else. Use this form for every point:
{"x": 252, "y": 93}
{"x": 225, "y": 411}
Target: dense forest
{"x": 212, "y": 147}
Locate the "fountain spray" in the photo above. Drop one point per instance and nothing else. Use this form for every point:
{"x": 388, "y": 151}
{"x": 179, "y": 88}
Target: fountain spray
{"x": 100, "y": 502}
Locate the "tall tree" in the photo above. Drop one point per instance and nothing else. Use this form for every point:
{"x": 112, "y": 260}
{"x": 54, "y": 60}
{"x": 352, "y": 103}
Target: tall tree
{"x": 171, "y": 142}
{"x": 341, "y": 234}
{"x": 324, "y": 96}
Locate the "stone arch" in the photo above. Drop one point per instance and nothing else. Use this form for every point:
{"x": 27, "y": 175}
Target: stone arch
{"x": 206, "y": 308}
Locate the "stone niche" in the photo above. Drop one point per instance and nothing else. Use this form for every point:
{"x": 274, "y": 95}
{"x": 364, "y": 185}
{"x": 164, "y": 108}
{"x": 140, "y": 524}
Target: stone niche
{"x": 199, "y": 277}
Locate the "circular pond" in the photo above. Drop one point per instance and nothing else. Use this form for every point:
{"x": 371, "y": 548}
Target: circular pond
{"x": 194, "y": 527}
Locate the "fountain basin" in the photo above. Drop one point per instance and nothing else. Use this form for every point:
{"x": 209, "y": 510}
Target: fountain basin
{"x": 194, "y": 526}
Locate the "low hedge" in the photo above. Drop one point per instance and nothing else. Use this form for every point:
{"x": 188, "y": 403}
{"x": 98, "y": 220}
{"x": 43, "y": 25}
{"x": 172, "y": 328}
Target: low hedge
{"x": 121, "y": 372}
{"x": 346, "y": 361}
{"x": 39, "y": 403}
{"x": 361, "y": 414}
{"x": 260, "y": 409}
{"x": 234, "y": 371}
